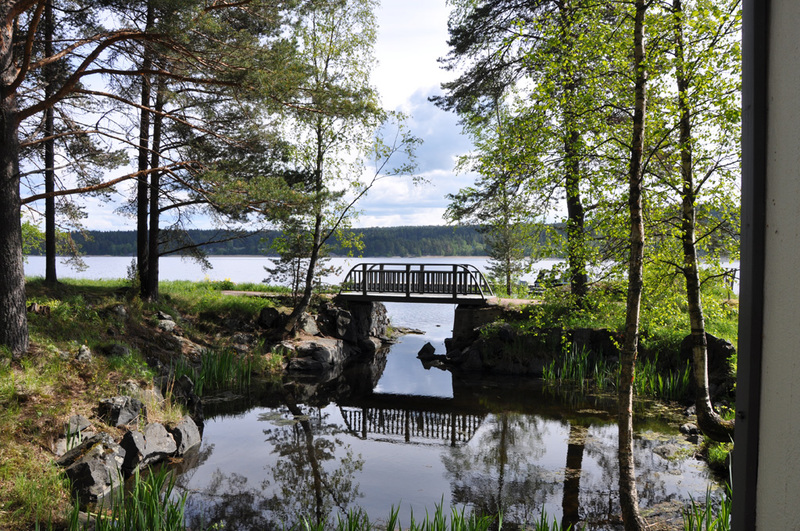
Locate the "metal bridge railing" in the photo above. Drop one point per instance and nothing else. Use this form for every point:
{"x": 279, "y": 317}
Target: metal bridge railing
{"x": 415, "y": 280}
{"x": 408, "y": 425}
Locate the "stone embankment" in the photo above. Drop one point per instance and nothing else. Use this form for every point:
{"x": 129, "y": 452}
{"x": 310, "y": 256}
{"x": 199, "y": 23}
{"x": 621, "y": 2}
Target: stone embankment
{"x": 96, "y": 462}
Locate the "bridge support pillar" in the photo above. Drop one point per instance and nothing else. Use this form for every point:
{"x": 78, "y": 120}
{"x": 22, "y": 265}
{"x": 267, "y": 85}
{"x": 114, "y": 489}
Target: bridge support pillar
{"x": 468, "y": 319}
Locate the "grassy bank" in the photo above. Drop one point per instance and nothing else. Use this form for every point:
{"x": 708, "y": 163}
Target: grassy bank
{"x": 41, "y": 390}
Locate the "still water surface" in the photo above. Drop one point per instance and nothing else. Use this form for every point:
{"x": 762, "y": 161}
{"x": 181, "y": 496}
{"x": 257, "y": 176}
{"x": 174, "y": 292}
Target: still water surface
{"x": 391, "y": 433}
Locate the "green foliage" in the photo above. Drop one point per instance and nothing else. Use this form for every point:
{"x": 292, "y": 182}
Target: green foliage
{"x": 219, "y": 370}
{"x": 148, "y": 504}
{"x": 713, "y": 515}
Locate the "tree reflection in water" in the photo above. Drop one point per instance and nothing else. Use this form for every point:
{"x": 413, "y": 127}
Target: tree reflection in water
{"x": 497, "y": 472}
{"x": 313, "y": 477}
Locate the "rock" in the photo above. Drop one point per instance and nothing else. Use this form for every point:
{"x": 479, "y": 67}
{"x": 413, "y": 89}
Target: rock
{"x": 119, "y": 311}
{"x": 77, "y": 424}
{"x": 370, "y": 319}
{"x": 241, "y": 338}
{"x": 325, "y": 350}
{"x": 186, "y": 435}
{"x": 721, "y": 379}
{"x": 689, "y": 429}
{"x": 163, "y": 316}
{"x": 84, "y": 354}
{"x": 77, "y": 429}
{"x": 122, "y": 411}
{"x": 307, "y": 365}
{"x": 119, "y": 350}
{"x": 468, "y": 359}
{"x": 183, "y": 391}
{"x": 269, "y": 318}
{"x": 167, "y": 325}
{"x": 307, "y": 325}
{"x": 370, "y": 345}
{"x": 669, "y": 451}
{"x": 94, "y": 467}
{"x": 144, "y": 448}
{"x": 427, "y": 352}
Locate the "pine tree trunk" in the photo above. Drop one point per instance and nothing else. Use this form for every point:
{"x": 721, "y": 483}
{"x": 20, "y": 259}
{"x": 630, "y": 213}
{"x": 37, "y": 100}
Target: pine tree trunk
{"x": 142, "y": 244}
{"x": 629, "y": 498}
{"x": 709, "y": 422}
{"x": 50, "y": 248}
{"x": 150, "y": 288}
{"x": 13, "y": 317}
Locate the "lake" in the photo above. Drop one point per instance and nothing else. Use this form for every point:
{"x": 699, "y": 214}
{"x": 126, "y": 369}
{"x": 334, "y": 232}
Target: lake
{"x": 235, "y": 268}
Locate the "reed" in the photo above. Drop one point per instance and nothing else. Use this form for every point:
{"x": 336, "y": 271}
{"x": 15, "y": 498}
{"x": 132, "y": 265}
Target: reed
{"x": 149, "y": 504}
{"x": 219, "y": 370}
{"x": 651, "y": 381}
{"x": 713, "y": 515}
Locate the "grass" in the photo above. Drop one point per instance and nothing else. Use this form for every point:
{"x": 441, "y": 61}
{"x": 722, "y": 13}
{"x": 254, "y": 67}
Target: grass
{"x": 219, "y": 370}
{"x": 39, "y": 392}
{"x": 147, "y": 504}
{"x": 713, "y": 515}
{"x": 582, "y": 368}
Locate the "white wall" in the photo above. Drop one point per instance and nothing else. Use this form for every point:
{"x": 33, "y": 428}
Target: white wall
{"x": 779, "y": 438}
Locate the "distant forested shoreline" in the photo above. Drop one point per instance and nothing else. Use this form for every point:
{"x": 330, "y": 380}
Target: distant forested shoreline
{"x": 431, "y": 240}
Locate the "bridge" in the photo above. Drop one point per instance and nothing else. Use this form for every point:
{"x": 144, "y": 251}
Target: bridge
{"x": 396, "y": 282}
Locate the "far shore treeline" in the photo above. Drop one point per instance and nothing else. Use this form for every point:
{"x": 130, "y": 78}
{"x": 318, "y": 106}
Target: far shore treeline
{"x": 431, "y": 240}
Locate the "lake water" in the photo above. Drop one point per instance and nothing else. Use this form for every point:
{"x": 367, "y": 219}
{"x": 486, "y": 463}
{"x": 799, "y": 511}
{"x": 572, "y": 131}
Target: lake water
{"x": 391, "y": 433}
{"x": 235, "y": 268}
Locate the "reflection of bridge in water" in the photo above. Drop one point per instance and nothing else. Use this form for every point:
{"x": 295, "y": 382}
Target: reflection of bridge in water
{"x": 411, "y": 419}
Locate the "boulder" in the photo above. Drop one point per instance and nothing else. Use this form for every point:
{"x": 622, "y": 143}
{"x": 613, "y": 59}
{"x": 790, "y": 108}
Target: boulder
{"x": 721, "y": 379}
{"x": 427, "y": 352}
{"x": 241, "y": 338}
{"x": 469, "y": 359}
{"x": 122, "y": 411}
{"x": 94, "y": 467}
{"x": 84, "y": 355}
{"x": 325, "y": 350}
{"x": 144, "y": 448}
{"x": 119, "y": 350}
{"x": 186, "y": 435}
{"x": 307, "y": 325}
{"x": 370, "y": 345}
{"x": 119, "y": 311}
{"x": 166, "y": 325}
{"x": 183, "y": 391}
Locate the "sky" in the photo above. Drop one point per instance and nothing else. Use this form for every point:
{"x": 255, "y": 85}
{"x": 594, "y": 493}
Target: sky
{"x": 412, "y": 35}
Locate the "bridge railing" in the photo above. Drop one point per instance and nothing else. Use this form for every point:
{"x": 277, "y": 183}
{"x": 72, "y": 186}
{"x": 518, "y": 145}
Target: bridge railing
{"x": 454, "y": 280}
{"x": 454, "y": 428}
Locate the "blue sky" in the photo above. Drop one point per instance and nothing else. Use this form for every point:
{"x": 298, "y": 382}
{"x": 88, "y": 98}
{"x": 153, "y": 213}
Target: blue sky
{"x": 412, "y": 36}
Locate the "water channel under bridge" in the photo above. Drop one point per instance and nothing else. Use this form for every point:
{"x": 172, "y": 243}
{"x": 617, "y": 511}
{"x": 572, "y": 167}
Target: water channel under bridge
{"x": 426, "y": 283}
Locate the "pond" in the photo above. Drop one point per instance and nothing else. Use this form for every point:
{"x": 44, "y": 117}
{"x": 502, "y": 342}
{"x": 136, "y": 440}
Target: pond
{"x": 390, "y": 434}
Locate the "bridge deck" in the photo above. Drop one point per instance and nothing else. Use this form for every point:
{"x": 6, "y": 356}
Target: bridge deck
{"x": 438, "y": 283}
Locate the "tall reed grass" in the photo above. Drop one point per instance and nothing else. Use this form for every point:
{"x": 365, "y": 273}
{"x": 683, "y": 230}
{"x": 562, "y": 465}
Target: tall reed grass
{"x": 713, "y": 515}
{"x": 148, "y": 504}
{"x": 219, "y": 370}
{"x": 582, "y": 368}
